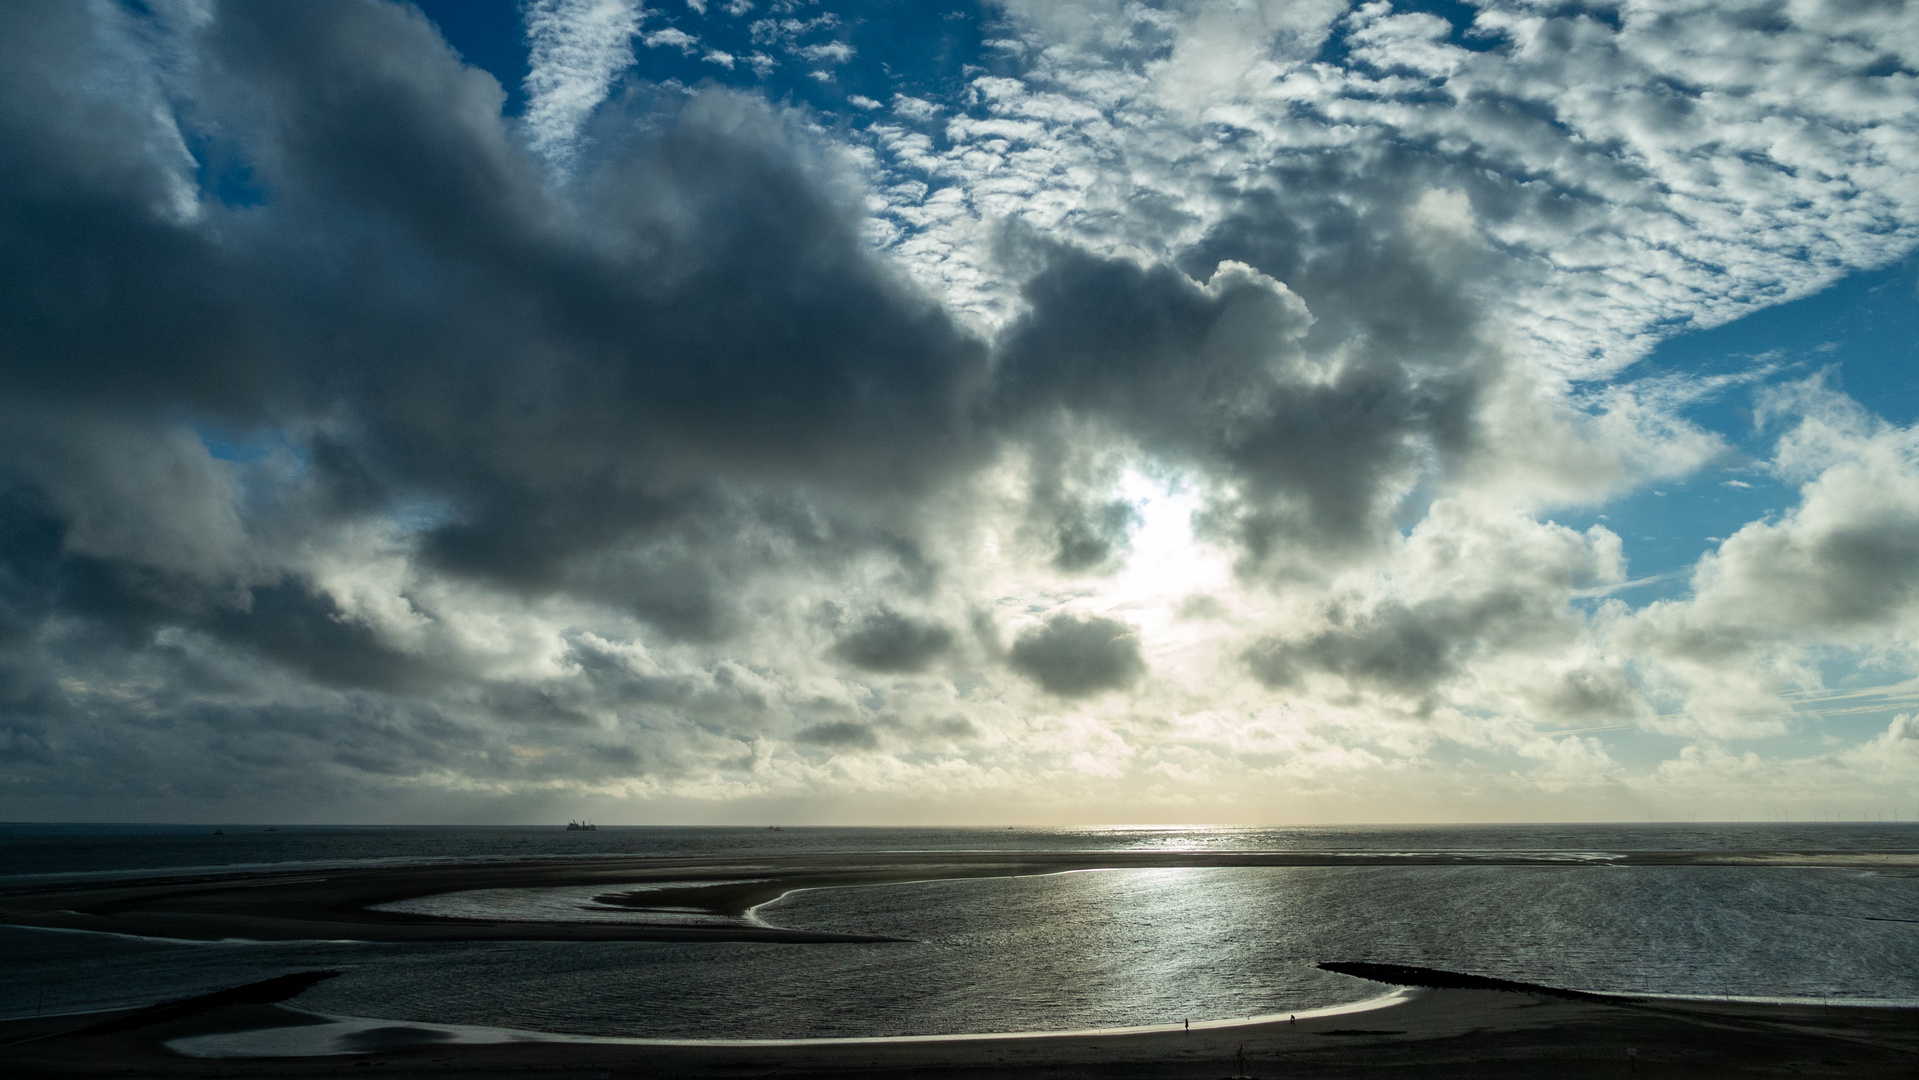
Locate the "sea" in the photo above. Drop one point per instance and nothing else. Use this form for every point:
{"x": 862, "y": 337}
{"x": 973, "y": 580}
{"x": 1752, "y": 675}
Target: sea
{"x": 1067, "y": 951}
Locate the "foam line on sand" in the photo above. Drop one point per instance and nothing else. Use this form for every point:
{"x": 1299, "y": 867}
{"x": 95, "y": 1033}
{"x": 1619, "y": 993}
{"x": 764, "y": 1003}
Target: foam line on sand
{"x": 357, "y": 1035}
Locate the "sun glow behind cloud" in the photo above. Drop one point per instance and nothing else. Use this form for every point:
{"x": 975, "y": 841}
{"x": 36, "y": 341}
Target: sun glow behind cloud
{"x": 1167, "y": 558}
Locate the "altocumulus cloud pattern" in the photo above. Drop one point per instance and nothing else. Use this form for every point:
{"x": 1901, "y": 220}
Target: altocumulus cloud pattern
{"x": 1056, "y": 410}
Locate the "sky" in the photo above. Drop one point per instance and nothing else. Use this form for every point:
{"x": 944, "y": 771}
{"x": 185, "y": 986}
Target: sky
{"x": 1036, "y": 411}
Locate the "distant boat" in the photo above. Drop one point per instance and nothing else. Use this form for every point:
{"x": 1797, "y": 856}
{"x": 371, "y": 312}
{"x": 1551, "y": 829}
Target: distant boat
{"x": 581, "y": 826}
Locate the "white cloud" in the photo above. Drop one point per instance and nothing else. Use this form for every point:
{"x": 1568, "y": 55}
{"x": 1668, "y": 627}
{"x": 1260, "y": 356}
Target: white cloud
{"x": 672, "y": 38}
{"x": 831, "y": 52}
{"x": 914, "y": 108}
{"x": 575, "y": 50}
{"x": 1674, "y": 184}
{"x": 1839, "y": 570}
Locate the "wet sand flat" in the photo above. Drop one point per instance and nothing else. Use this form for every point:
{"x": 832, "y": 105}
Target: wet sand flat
{"x": 1438, "y": 1033}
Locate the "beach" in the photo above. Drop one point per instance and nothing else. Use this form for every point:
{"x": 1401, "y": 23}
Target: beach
{"x": 1443, "y": 1032}
{"x": 1418, "y": 1021}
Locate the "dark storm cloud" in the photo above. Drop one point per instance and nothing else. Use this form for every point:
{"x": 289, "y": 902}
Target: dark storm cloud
{"x": 1410, "y": 650}
{"x": 1346, "y": 232}
{"x": 287, "y": 623}
{"x": 1075, "y": 657}
{"x": 838, "y": 735}
{"x": 135, "y": 534}
{"x": 306, "y": 230}
{"x": 1602, "y": 694}
{"x": 621, "y": 394}
{"x": 712, "y": 316}
{"x": 747, "y": 335}
{"x": 1091, "y": 535}
{"x": 1317, "y": 436}
{"x": 103, "y": 296}
{"x": 1068, "y": 515}
{"x": 700, "y": 333}
{"x": 887, "y": 641}
{"x": 1398, "y": 649}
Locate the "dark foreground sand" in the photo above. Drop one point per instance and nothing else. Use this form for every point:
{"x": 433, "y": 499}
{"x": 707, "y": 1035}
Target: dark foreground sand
{"x": 1438, "y": 1033}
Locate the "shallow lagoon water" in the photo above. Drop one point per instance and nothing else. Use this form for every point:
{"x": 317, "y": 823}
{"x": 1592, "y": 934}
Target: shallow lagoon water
{"x": 1092, "y": 949}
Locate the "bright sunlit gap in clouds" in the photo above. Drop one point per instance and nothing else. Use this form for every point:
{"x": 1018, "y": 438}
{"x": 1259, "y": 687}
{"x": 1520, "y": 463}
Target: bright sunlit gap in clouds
{"x": 1038, "y": 412}
{"x": 1165, "y": 565}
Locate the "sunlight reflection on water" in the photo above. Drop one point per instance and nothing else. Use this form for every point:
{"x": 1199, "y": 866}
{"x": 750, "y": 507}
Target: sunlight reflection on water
{"x": 1091, "y": 949}
{"x": 1118, "y": 947}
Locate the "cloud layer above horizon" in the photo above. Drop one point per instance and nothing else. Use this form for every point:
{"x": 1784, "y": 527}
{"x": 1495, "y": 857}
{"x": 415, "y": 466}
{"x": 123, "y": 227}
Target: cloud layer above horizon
{"x": 1135, "y": 412}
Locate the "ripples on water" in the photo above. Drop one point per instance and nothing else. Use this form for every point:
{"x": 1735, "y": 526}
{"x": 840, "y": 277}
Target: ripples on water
{"x": 1099, "y": 948}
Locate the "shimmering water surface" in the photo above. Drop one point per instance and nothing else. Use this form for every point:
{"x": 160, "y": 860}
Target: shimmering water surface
{"x": 1087, "y": 949}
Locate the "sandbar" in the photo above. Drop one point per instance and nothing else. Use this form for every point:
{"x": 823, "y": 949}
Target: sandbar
{"x": 1431, "y": 1032}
